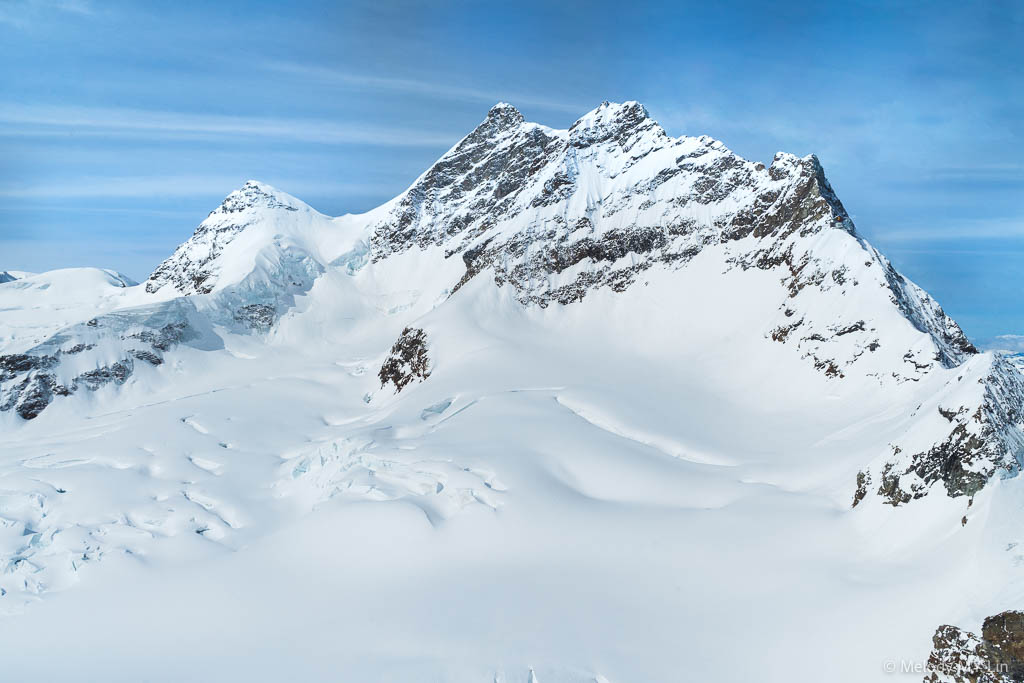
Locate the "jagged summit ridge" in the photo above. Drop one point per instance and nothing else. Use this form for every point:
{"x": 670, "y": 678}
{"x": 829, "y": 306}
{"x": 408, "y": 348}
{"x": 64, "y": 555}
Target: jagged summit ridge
{"x": 555, "y": 213}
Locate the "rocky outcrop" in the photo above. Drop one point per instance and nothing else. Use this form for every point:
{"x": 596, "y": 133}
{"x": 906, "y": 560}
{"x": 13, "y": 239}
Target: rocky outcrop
{"x": 259, "y": 317}
{"x": 30, "y": 382}
{"x": 408, "y": 360}
{"x": 960, "y": 656}
{"x": 30, "y": 393}
{"x": 983, "y": 441}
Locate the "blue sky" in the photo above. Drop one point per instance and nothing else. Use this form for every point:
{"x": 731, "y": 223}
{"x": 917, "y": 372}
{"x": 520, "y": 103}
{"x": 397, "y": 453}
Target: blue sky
{"x": 122, "y": 124}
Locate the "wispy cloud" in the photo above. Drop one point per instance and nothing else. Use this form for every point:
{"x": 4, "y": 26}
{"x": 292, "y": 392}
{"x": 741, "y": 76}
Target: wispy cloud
{"x": 74, "y": 6}
{"x": 987, "y": 229}
{"x": 1005, "y": 342}
{"x": 23, "y": 14}
{"x": 179, "y": 186}
{"x": 986, "y": 171}
{"x": 435, "y": 89}
{"x": 23, "y": 120}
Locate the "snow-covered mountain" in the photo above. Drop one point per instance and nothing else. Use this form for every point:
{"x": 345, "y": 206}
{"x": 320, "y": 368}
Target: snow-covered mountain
{"x": 630, "y": 382}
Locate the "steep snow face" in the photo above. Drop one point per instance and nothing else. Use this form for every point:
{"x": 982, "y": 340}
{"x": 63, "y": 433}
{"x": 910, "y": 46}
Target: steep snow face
{"x": 679, "y": 377}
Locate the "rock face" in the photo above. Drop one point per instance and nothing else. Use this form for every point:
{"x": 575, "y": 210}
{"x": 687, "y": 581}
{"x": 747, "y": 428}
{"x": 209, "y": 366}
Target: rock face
{"x": 959, "y": 656}
{"x": 32, "y": 387}
{"x": 526, "y": 202}
{"x": 1004, "y": 634}
{"x": 984, "y": 439}
{"x": 407, "y": 362}
{"x": 6, "y": 277}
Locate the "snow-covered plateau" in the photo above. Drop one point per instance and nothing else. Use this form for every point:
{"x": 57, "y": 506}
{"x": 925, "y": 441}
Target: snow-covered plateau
{"x": 594, "y": 404}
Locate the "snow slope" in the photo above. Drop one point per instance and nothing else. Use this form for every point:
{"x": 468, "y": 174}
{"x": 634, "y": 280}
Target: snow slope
{"x": 35, "y": 306}
{"x": 595, "y": 404}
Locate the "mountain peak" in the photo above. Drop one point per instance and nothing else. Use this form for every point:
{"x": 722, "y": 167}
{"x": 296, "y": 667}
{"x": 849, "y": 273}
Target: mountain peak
{"x": 254, "y": 194}
{"x": 193, "y": 267}
{"x": 612, "y": 120}
{"x": 505, "y": 113}
{"x": 502, "y": 117}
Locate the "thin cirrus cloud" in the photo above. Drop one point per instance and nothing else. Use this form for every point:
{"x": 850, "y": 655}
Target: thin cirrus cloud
{"x": 408, "y": 86}
{"x": 1005, "y": 342}
{"x": 21, "y": 120}
{"x": 994, "y": 228}
{"x": 21, "y": 14}
{"x": 173, "y": 186}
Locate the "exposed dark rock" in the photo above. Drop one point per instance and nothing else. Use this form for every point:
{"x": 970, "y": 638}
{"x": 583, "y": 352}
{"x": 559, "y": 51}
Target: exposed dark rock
{"x": 408, "y": 360}
{"x": 950, "y": 415}
{"x": 79, "y": 348}
{"x": 147, "y": 356}
{"x": 978, "y": 446}
{"x": 117, "y": 373}
{"x": 959, "y": 656}
{"x": 828, "y": 366}
{"x": 856, "y": 327}
{"x": 890, "y": 490}
{"x": 35, "y": 393}
{"x": 863, "y": 482}
{"x": 257, "y": 316}
{"x": 1004, "y": 633}
{"x": 167, "y": 336}
{"x": 17, "y": 363}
